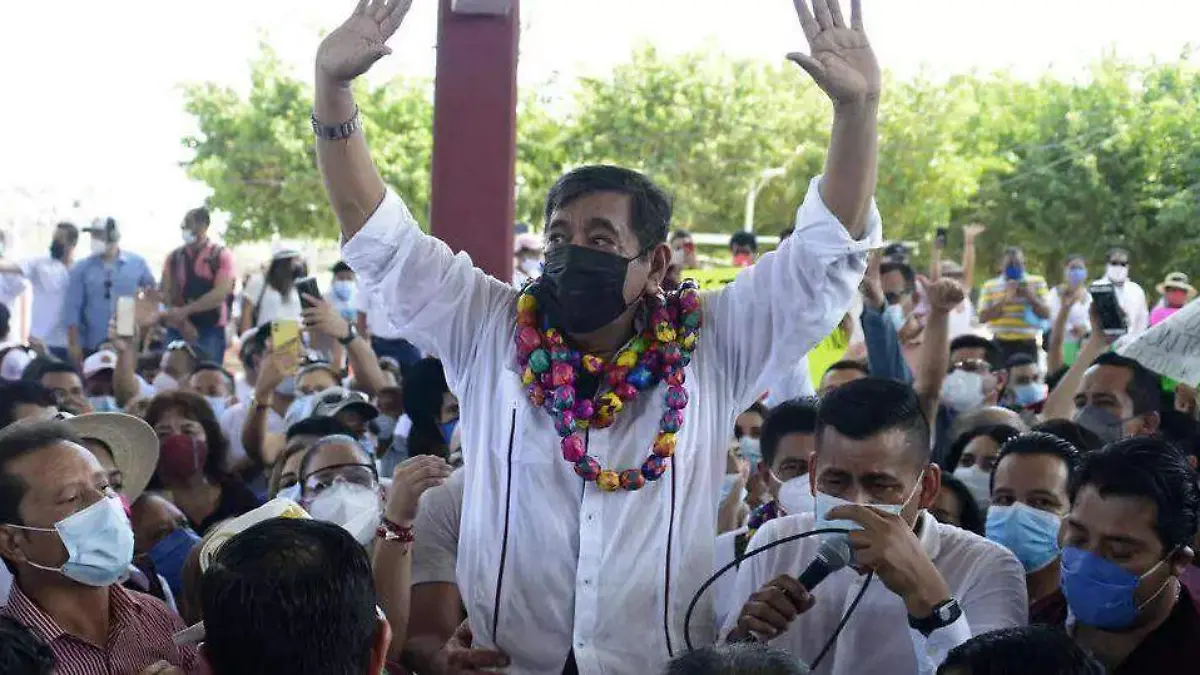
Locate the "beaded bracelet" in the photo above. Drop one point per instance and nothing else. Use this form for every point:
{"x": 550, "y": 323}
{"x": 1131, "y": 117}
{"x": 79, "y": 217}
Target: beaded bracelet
{"x": 389, "y": 531}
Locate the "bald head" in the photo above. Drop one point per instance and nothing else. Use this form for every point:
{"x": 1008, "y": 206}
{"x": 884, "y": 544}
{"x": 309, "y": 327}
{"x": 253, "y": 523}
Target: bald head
{"x": 988, "y": 416}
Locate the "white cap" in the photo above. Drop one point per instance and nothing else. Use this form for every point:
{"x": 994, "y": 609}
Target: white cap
{"x": 101, "y": 360}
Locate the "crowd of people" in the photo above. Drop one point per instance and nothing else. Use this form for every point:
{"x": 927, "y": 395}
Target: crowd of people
{"x": 371, "y": 480}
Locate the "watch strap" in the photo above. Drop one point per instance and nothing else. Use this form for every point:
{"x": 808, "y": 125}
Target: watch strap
{"x": 943, "y": 615}
{"x": 339, "y": 131}
{"x": 351, "y": 333}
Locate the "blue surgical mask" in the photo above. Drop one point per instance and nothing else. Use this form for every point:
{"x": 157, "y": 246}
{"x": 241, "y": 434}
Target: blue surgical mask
{"x": 291, "y": 492}
{"x": 104, "y": 403}
{"x": 169, "y": 554}
{"x": 1030, "y": 393}
{"x": 894, "y": 315}
{"x": 448, "y": 430}
{"x": 98, "y": 540}
{"x": 1076, "y": 276}
{"x": 1031, "y": 534}
{"x": 751, "y": 450}
{"x": 1101, "y": 593}
{"x": 343, "y": 289}
{"x": 824, "y": 503}
{"x": 287, "y": 387}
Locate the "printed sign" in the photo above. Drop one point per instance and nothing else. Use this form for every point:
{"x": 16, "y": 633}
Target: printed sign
{"x": 1172, "y": 348}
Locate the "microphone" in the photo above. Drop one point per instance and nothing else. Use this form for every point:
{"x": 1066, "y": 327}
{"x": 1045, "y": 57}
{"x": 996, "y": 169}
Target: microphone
{"x": 833, "y": 555}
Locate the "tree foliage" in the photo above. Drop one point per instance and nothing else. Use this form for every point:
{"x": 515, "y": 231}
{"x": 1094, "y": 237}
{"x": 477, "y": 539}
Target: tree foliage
{"x": 1054, "y": 166}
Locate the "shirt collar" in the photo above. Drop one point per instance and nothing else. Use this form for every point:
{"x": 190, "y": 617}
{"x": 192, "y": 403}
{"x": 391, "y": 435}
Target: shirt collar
{"x": 122, "y": 606}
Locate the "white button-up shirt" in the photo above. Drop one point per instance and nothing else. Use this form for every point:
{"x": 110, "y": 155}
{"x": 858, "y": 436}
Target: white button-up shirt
{"x": 48, "y": 278}
{"x": 548, "y": 563}
{"x": 985, "y": 578}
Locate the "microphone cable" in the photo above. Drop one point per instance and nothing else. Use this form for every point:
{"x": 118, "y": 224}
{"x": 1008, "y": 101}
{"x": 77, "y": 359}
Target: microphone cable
{"x": 687, "y": 617}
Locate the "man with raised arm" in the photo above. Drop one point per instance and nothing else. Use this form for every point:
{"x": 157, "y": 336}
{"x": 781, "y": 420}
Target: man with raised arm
{"x": 595, "y": 407}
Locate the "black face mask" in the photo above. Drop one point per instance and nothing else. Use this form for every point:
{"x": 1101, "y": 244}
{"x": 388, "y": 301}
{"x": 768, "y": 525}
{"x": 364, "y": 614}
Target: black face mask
{"x": 582, "y": 289}
{"x": 58, "y": 250}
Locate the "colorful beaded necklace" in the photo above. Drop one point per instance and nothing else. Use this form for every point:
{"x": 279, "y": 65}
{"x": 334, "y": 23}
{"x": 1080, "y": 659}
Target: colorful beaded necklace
{"x": 550, "y": 370}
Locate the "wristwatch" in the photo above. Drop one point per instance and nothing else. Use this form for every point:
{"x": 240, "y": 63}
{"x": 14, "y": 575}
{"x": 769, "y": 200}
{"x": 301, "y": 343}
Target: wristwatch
{"x": 943, "y": 615}
{"x": 337, "y": 132}
{"x": 350, "y": 335}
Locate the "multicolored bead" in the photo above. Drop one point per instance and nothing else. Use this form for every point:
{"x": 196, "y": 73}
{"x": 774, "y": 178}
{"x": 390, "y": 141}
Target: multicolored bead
{"x": 626, "y": 391}
{"x": 587, "y": 468}
{"x": 689, "y": 301}
{"x": 664, "y": 445}
{"x": 573, "y": 449}
{"x": 527, "y": 319}
{"x": 672, "y": 421}
{"x": 671, "y": 354}
{"x": 539, "y": 361}
{"x": 564, "y": 397}
{"x": 609, "y": 404}
{"x": 562, "y": 374}
{"x": 608, "y": 481}
{"x": 654, "y": 467}
{"x": 627, "y": 359}
{"x": 554, "y": 338}
{"x": 640, "y": 377}
{"x": 593, "y": 364}
{"x": 527, "y": 377}
{"x": 676, "y": 377}
{"x": 617, "y": 375}
{"x": 676, "y": 397}
{"x": 537, "y": 395}
{"x": 560, "y": 354}
{"x": 584, "y": 409}
{"x": 564, "y": 423}
{"x": 632, "y": 479}
{"x": 528, "y": 339}
{"x": 664, "y": 332}
{"x": 526, "y": 303}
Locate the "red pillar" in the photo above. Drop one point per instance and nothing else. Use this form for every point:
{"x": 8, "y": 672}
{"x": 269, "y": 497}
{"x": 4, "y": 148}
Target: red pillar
{"x": 474, "y": 134}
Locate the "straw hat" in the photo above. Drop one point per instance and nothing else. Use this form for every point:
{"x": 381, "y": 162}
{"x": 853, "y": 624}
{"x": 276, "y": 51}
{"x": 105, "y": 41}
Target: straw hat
{"x": 1178, "y": 281}
{"x": 133, "y": 444}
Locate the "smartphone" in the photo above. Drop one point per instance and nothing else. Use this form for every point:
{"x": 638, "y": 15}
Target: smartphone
{"x": 1112, "y": 317}
{"x": 307, "y": 286}
{"x": 285, "y": 334}
{"x": 939, "y": 238}
{"x": 126, "y": 309}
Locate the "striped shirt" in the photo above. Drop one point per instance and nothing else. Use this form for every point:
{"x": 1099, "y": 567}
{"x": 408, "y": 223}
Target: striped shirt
{"x": 139, "y": 635}
{"x": 1017, "y": 320}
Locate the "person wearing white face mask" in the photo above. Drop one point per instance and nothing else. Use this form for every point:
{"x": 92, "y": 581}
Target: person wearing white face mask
{"x": 1029, "y": 499}
{"x": 787, "y": 445}
{"x": 975, "y": 380}
{"x": 343, "y": 290}
{"x": 1130, "y": 295}
{"x": 527, "y": 258}
{"x": 973, "y": 457}
{"x": 215, "y": 384}
{"x": 66, "y": 536}
{"x": 933, "y": 587}
{"x": 339, "y": 484}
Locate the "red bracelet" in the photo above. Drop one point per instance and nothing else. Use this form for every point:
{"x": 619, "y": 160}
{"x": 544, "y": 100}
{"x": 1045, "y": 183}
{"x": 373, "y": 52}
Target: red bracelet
{"x": 389, "y": 531}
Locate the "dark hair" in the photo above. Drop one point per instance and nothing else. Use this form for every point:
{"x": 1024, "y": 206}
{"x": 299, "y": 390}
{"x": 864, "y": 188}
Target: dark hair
{"x": 1182, "y": 430}
{"x": 1001, "y": 433}
{"x": 273, "y": 576}
{"x": 5, "y": 319}
{"x": 71, "y": 230}
{"x": 905, "y": 270}
{"x": 797, "y": 416}
{"x": 738, "y": 658}
{"x": 326, "y": 441}
{"x": 45, "y": 365}
{"x": 1028, "y": 650}
{"x": 1150, "y": 468}
{"x": 16, "y": 442}
{"x": 872, "y": 405}
{"x": 1052, "y": 379}
{"x": 198, "y": 216}
{"x": 20, "y": 392}
{"x": 275, "y": 277}
{"x": 849, "y": 364}
{"x": 1144, "y": 386}
{"x": 22, "y": 652}
{"x": 1039, "y": 443}
{"x": 1116, "y": 250}
{"x": 972, "y": 511}
{"x": 318, "y": 426}
{"x": 1083, "y": 439}
{"x": 746, "y": 239}
{"x": 1018, "y": 360}
{"x": 341, "y": 266}
{"x": 212, "y": 365}
{"x": 651, "y": 206}
{"x": 991, "y": 351}
{"x": 1072, "y": 257}
{"x": 424, "y": 385}
{"x": 680, "y": 234}
{"x": 1013, "y": 250}
{"x": 254, "y": 345}
{"x": 197, "y": 408}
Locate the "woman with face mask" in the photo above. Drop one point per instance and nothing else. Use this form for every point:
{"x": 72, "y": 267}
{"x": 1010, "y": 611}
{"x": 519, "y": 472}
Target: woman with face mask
{"x": 272, "y": 295}
{"x": 1029, "y": 500}
{"x": 192, "y": 451}
{"x": 973, "y": 457}
{"x": 339, "y": 484}
{"x": 1176, "y": 291}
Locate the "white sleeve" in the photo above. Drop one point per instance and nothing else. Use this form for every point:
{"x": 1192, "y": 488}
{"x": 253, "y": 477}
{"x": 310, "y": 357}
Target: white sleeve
{"x": 253, "y": 287}
{"x": 773, "y": 313}
{"x": 434, "y": 298}
{"x": 11, "y": 288}
{"x": 796, "y": 382}
{"x": 932, "y": 651}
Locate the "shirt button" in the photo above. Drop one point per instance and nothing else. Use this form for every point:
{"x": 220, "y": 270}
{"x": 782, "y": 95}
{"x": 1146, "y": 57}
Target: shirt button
{"x": 591, "y": 517}
{"x": 587, "y": 582}
{"x": 580, "y": 644}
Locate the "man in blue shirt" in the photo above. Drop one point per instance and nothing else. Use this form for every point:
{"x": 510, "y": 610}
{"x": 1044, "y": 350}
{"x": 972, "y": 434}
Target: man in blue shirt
{"x": 95, "y": 284}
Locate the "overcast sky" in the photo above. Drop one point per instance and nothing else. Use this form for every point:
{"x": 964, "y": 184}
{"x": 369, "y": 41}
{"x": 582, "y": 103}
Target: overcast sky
{"x": 92, "y": 107}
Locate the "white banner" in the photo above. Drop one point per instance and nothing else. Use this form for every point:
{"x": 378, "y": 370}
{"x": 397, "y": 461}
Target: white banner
{"x": 1171, "y": 348}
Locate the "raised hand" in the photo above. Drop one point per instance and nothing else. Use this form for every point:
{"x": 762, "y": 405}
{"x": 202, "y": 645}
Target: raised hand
{"x": 412, "y": 478}
{"x": 352, "y": 48}
{"x": 872, "y": 284}
{"x": 842, "y": 62}
{"x": 972, "y": 231}
{"x": 944, "y": 294}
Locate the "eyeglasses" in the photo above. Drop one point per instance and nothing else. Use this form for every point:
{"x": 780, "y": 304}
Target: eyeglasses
{"x": 1119, "y": 263}
{"x": 354, "y": 474}
{"x": 893, "y": 298}
{"x": 972, "y": 366}
{"x": 336, "y": 397}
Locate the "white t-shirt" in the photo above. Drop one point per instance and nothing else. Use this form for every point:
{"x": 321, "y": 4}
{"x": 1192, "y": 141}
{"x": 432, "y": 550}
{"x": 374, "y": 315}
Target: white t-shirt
{"x": 48, "y": 278}
{"x": 1079, "y": 322}
{"x": 270, "y": 303}
{"x": 962, "y": 319}
{"x": 435, "y": 551}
